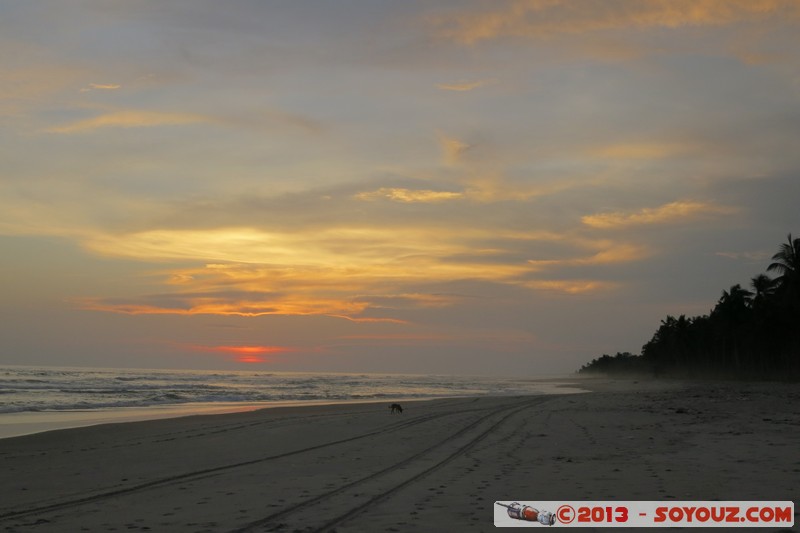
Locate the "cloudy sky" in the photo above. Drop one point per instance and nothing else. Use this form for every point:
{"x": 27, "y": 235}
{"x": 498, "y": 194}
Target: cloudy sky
{"x": 473, "y": 187}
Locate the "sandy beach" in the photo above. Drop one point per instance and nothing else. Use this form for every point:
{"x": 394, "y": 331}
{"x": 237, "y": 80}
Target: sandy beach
{"x": 439, "y": 466}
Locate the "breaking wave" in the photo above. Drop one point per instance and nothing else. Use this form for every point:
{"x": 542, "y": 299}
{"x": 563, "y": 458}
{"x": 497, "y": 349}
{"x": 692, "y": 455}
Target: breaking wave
{"x": 40, "y": 389}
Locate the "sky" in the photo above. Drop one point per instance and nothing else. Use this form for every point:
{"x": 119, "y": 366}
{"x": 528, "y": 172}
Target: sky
{"x": 504, "y": 187}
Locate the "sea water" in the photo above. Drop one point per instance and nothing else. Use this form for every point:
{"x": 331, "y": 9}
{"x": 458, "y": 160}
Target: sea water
{"x": 38, "y": 399}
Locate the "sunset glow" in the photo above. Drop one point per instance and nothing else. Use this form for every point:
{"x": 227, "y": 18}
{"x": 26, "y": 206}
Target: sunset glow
{"x": 385, "y": 186}
{"x": 245, "y": 354}
{"x": 251, "y": 350}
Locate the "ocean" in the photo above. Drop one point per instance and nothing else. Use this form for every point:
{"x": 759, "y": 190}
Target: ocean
{"x": 36, "y": 399}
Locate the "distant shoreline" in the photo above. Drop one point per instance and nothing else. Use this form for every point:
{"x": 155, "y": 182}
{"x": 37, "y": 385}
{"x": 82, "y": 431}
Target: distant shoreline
{"x": 17, "y": 424}
{"x": 33, "y": 422}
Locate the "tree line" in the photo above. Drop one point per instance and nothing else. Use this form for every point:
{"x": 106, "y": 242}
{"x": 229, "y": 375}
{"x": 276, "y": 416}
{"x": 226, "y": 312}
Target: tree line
{"x": 748, "y": 334}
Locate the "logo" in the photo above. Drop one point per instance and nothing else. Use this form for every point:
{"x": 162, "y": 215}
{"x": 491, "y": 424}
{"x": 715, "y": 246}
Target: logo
{"x": 620, "y": 514}
{"x": 527, "y": 513}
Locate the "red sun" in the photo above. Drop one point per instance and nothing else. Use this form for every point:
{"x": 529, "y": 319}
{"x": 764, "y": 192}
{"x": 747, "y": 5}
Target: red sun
{"x": 246, "y": 354}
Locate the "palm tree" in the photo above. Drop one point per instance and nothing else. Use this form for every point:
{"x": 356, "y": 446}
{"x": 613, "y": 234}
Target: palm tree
{"x": 733, "y": 303}
{"x": 787, "y": 264}
{"x": 731, "y": 316}
{"x": 764, "y": 287}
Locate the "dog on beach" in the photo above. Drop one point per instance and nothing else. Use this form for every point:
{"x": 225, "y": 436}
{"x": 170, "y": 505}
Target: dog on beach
{"x": 396, "y": 408}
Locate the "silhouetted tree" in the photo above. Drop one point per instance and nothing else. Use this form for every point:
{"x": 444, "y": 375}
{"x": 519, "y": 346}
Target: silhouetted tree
{"x": 745, "y": 334}
{"x": 787, "y": 264}
{"x": 764, "y": 287}
{"x": 730, "y": 318}
{"x": 621, "y": 363}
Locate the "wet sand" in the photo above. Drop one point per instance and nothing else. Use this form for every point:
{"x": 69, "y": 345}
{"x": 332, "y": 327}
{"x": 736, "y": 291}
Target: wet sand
{"x": 439, "y": 466}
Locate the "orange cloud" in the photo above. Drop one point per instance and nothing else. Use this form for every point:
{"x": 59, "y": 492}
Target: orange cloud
{"x": 231, "y": 306}
{"x": 101, "y": 87}
{"x": 372, "y": 320}
{"x": 484, "y": 188}
{"x": 609, "y": 253}
{"x": 337, "y": 261}
{"x": 548, "y": 18}
{"x": 357, "y": 274}
{"x": 128, "y": 119}
{"x": 579, "y": 286}
{"x": 409, "y": 195}
{"x": 333, "y": 247}
{"x": 667, "y": 213}
{"x": 639, "y": 150}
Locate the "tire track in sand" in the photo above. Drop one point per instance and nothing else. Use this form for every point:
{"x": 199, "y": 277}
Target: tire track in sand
{"x": 202, "y": 473}
{"x": 384, "y": 483}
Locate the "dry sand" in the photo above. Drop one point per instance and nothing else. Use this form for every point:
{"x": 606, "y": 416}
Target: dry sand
{"x": 440, "y": 466}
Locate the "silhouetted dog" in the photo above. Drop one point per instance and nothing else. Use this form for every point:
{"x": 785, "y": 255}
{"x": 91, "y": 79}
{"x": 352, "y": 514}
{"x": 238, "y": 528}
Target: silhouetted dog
{"x": 396, "y": 408}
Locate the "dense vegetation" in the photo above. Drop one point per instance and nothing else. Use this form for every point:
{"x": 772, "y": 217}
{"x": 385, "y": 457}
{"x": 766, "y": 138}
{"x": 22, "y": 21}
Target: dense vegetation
{"x": 748, "y": 333}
